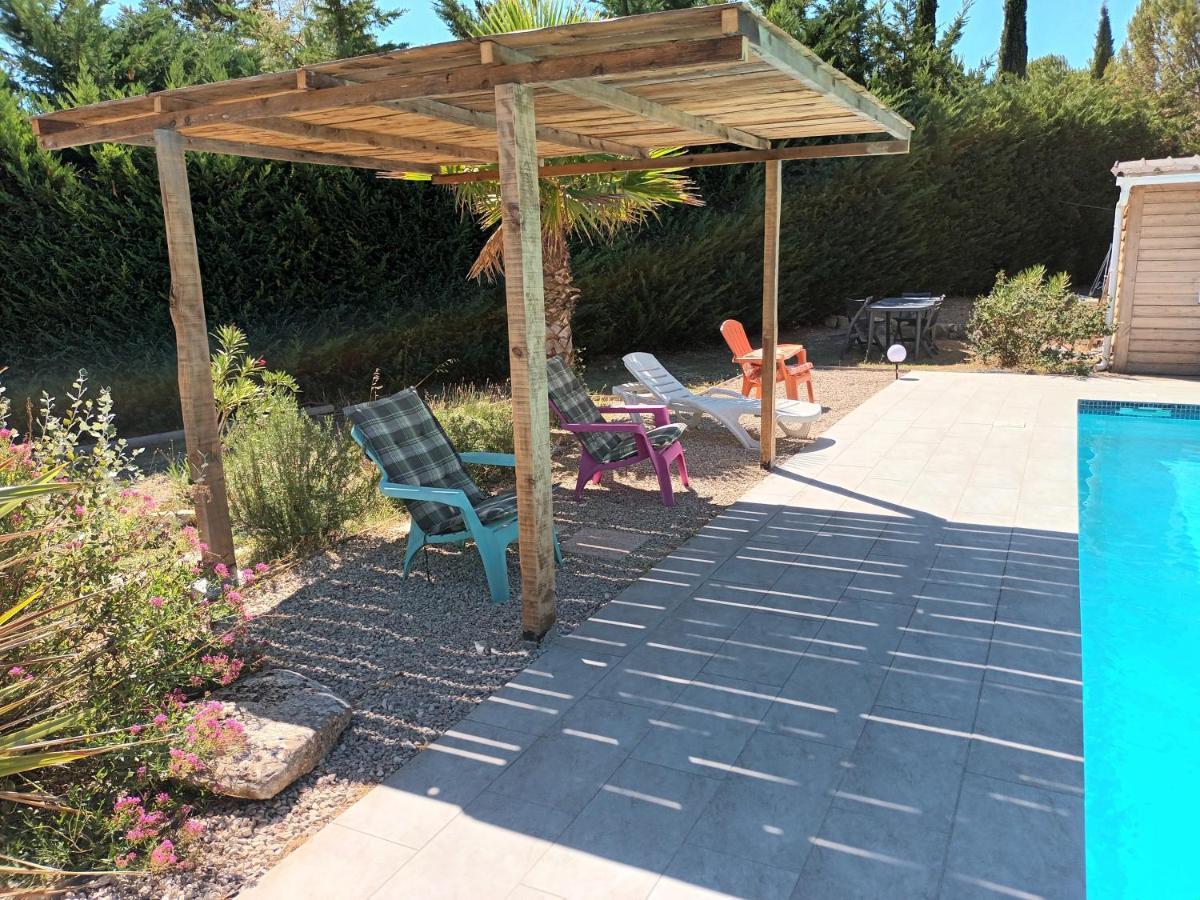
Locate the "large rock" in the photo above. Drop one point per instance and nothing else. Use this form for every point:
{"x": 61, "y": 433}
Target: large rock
{"x": 291, "y": 722}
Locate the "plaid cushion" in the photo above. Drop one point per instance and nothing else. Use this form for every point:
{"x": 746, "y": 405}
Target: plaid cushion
{"x": 408, "y": 443}
{"x": 576, "y": 406}
{"x": 660, "y": 437}
{"x": 492, "y": 510}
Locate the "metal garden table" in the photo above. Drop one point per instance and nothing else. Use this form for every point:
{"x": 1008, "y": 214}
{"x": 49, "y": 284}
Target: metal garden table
{"x": 891, "y": 306}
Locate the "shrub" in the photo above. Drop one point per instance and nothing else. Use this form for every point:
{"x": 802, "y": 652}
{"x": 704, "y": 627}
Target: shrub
{"x": 103, "y": 640}
{"x": 295, "y": 482}
{"x": 1031, "y": 322}
{"x": 478, "y": 420}
{"x": 243, "y": 387}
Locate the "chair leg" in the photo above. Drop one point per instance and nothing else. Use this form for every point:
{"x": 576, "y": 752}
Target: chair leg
{"x": 664, "y": 479}
{"x": 416, "y": 540}
{"x": 681, "y": 466}
{"x": 808, "y": 384}
{"x": 495, "y": 566}
{"x": 747, "y": 386}
{"x": 731, "y": 422}
{"x": 587, "y": 472}
{"x": 558, "y": 554}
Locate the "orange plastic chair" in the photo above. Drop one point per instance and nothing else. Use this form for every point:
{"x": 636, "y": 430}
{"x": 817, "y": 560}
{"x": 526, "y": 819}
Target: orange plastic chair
{"x": 791, "y": 374}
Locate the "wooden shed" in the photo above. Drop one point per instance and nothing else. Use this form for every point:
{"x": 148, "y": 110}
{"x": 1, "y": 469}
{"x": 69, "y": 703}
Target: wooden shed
{"x": 1154, "y": 277}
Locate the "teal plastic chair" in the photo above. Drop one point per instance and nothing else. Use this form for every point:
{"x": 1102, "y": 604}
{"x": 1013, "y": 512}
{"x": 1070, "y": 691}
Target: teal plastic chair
{"x": 399, "y": 434}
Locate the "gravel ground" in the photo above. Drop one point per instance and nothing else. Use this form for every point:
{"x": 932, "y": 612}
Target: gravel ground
{"x": 413, "y": 657}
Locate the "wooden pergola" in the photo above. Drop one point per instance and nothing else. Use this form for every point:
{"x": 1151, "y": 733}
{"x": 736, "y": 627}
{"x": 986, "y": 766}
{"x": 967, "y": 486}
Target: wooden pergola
{"x": 712, "y": 75}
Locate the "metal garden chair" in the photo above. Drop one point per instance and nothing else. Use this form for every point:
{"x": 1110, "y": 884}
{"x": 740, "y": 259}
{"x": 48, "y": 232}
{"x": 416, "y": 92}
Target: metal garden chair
{"x": 420, "y": 466}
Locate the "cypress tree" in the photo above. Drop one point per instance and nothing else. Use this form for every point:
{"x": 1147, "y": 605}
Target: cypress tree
{"x": 926, "y": 18}
{"x": 1104, "y": 44}
{"x": 1014, "y": 51}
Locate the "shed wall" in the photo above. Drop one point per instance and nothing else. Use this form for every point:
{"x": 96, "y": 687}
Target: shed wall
{"x": 1158, "y": 282}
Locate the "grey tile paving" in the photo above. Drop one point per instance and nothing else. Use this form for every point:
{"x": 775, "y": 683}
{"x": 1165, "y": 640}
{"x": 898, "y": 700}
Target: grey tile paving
{"x": 863, "y": 680}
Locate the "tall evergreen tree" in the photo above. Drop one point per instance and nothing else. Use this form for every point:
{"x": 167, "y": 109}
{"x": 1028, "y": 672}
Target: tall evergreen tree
{"x": 1103, "y": 53}
{"x": 1014, "y": 49}
{"x": 926, "y": 18}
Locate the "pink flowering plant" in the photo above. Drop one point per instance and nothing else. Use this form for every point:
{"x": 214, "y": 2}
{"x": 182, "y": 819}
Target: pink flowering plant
{"x": 112, "y": 633}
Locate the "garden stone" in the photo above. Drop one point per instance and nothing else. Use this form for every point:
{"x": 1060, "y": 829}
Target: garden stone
{"x": 290, "y": 722}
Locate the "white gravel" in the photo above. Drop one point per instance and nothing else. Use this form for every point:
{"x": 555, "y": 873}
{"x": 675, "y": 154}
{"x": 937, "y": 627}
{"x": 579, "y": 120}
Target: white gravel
{"x": 413, "y": 657}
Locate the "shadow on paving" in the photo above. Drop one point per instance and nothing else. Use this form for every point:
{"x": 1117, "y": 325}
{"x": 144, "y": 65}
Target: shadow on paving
{"x": 798, "y": 702}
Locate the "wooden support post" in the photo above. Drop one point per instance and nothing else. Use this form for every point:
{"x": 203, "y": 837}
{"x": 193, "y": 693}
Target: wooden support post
{"x": 201, "y": 437}
{"x": 522, "y": 223}
{"x": 770, "y": 309}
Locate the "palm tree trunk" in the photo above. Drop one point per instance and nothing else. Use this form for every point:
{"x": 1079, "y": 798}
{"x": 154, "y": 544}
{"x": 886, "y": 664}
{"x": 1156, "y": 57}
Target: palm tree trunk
{"x": 561, "y": 298}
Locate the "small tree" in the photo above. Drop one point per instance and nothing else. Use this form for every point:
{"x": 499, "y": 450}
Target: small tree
{"x": 1103, "y": 52}
{"x": 1014, "y": 49}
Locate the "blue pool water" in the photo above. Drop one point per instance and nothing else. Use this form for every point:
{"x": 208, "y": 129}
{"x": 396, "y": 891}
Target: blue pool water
{"x": 1139, "y": 566}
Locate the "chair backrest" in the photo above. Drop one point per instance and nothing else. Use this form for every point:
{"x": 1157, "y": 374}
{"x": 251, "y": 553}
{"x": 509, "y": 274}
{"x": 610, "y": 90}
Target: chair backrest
{"x": 403, "y": 438}
{"x": 650, "y": 372}
{"x": 573, "y": 405}
{"x": 855, "y": 311}
{"x": 735, "y": 337}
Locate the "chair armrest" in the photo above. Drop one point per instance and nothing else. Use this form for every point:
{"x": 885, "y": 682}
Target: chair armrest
{"x": 661, "y": 415}
{"x": 722, "y": 392}
{"x": 635, "y": 427}
{"x": 448, "y": 496}
{"x": 483, "y": 458}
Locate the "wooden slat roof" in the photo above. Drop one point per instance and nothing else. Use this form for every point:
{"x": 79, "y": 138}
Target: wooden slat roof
{"x": 691, "y": 77}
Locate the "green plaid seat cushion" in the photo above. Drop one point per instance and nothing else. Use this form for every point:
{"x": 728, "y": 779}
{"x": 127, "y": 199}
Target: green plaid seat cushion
{"x": 576, "y": 406}
{"x": 660, "y": 437}
{"x": 491, "y": 511}
{"x": 408, "y": 443}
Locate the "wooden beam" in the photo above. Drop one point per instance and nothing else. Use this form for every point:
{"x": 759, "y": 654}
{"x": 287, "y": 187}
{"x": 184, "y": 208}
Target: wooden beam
{"x": 201, "y": 435}
{"x": 463, "y": 80}
{"x": 329, "y": 133}
{"x": 484, "y": 121}
{"x": 615, "y": 98}
{"x": 772, "y": 202}
{"x": 284, "y": 154}
{"x": 696, "y": 160}
{"x": 775, "y": 46}
{"x": 522, "y": 223}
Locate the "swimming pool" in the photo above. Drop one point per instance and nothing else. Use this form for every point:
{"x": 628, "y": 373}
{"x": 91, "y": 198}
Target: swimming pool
{"x": 1139, "y": 566}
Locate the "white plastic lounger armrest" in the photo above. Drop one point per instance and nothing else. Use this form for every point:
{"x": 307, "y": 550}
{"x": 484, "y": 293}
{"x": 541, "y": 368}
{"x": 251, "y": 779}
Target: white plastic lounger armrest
{"x": 724, "y": 392}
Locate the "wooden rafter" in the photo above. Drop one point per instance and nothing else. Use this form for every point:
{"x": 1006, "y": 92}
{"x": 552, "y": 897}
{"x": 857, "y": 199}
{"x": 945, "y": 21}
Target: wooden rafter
{"x": 473, "y": 118}
{"x": 285, "y": 154}
{"x": 334, "y": 135}
{"x": 695, "y": 160}
{"x": 615, "y": 98}
{"x": 775, "y": 46}
{"x": 463, "y": 80}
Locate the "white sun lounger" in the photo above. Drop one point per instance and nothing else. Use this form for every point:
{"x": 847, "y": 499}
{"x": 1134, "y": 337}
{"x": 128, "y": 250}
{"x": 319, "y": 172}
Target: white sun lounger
{"x": 795, "y": 417}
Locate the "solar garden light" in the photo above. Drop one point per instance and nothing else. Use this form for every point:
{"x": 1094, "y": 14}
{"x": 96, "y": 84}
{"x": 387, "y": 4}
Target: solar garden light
{"x": 897, "y": 354}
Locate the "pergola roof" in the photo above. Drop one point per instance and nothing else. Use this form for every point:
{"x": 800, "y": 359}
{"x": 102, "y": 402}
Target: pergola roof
{"x": 691, "y": 77}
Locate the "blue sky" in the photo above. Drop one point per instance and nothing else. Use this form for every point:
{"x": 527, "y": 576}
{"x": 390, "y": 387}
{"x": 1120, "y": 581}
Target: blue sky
{"x": 1065, "y": 27}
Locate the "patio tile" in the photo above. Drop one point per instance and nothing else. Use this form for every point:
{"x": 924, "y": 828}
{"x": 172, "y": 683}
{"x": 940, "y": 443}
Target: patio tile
{"x": 652, "y": 675}
{"x": 619, "y": 725}
{"x": 334, "y": 862}
{"x": 756, "y": 564}
{"x": 534, "y": 701}
{"x": 417, "y": 801}
{"x": 768, "y": 809}
{"x": 705, "y": 730}
{"x": 933, "y": 636}
{"x": 1016, "y": 841}
{"x": 483, "y": 853}
{"x": 887, "y": 581}
{"x": 825, "y": 699}
{"x": 863, "y": 630}
{"x": 1036, "y": 658}
{"x": 969, "y": 601}
{"x": 621, "y": 623}
{"x": 604, "y": 543}
{"x": 817, "y": 576}
{"x": 872, "y": 854}
{"x": 626, "y": 836}
{"x": 697, "y": 873}
{"x": 1054, "y": 608}
{"x": 1029, "y": 737}
{"x": 907, "y": 764}
{"x": 560, "y": 771}
{"x": 764, "y": 648}
{"x": 521, "y": 892}
{"x": 937, "y": 687}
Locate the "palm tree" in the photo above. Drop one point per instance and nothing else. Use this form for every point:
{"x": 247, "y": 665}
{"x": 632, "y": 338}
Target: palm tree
{"x": 590, "y": 206}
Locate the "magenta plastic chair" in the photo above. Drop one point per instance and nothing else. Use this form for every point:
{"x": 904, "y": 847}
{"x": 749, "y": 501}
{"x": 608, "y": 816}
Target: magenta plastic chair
{"x": 615, "y": 445}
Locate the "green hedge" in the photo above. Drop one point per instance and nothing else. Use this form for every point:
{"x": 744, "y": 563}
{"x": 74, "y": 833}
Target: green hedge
{"x": 335, "y": 273}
